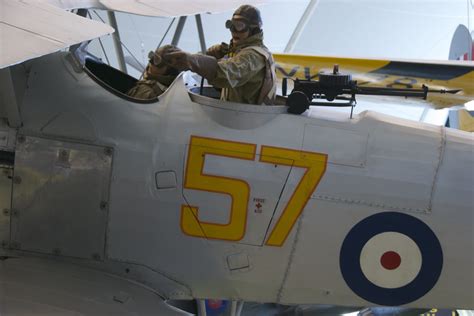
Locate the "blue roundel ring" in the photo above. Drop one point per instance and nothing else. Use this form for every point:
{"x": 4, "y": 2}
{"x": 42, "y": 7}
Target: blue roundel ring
{"x": 419, "y": 232}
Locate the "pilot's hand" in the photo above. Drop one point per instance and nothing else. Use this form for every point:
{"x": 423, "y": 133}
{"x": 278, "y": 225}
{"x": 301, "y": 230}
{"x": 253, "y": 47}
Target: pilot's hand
{"x": 218, "y": 51}
{"x": 179, "y": 60}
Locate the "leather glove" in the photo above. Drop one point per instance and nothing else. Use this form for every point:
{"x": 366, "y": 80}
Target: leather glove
{"x": 178, "y": 60}
{"x": 218, "y": 51}
{"x": 203, "y": 65}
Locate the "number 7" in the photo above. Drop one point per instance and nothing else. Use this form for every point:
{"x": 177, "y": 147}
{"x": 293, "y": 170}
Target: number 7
{"x": 315, "y": 164}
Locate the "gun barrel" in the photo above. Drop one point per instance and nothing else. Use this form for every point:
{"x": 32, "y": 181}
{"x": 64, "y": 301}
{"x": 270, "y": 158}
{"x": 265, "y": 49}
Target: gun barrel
{"x": 399, "y": 92}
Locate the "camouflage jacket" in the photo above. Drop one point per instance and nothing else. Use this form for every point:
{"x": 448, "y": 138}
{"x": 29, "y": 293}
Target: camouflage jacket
{"x": 150, "y": 88}
{"x": 247, "y": 73}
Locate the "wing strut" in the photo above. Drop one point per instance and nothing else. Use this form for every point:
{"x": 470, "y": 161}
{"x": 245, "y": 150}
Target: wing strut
{"x": 117, "y": 42}
{"x": 202, "y": 40}
{"x": 180, "y": 27}
{"x": 301, "y": 25}
{"x": 179, "y": 30}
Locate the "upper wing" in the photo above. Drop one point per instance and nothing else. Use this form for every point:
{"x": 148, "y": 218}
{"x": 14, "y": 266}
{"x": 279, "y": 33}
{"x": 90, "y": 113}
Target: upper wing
{"x": 163, "y": 8}
{"x": 382, "y": 73}
{"x": 33, "y": 28}
{"x": 30, "y": 29}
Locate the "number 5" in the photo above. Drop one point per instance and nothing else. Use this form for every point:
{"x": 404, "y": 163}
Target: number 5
{"x": 238, "y": 190}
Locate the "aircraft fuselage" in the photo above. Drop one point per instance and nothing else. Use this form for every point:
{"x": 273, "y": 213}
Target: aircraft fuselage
{"x": 199, "y": 198}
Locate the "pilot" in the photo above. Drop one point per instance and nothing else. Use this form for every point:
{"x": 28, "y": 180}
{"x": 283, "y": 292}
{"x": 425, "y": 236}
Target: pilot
{"x": 244, "y": 69}
{"x": 157, "y": 76}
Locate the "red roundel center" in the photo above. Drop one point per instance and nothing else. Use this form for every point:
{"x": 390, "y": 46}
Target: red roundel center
{"x": 214, "y": 304}
{"x": 390, "y": 260}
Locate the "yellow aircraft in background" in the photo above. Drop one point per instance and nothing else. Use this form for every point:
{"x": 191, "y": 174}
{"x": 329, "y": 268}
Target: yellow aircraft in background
{"x": 448, "y": 75}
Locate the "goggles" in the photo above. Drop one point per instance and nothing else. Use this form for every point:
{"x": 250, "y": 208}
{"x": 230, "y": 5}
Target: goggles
{"x": 237, "y": 26}
{"x": 155, "y": 59}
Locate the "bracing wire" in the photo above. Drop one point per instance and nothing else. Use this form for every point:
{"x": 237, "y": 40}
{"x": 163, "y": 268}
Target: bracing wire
{"x": 166, "y": 33}
{"x": 95, "y": 12}
{"x": 100, "y": 41}
{"x": 126, "y": 48}
{"x": 121, "y": 43}
{"x": 142, "y": 49}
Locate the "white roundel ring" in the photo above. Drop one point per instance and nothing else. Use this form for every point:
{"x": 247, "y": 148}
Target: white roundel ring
{"x": 391, "y": 259}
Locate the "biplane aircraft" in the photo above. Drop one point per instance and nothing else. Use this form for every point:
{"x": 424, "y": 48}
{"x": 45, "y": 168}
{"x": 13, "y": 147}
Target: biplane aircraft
{"x": 114, "y": 205}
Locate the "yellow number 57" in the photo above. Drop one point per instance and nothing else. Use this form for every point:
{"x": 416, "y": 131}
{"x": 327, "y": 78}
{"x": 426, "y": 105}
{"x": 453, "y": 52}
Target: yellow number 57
{"x": 239, "y": 190}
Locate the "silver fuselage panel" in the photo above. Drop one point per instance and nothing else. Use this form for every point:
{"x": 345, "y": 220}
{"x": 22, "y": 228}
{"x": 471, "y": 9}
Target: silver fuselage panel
{"x": 375, "y": 164}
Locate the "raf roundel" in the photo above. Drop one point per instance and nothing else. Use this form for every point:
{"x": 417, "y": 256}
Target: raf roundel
{"x": 391, "y": 259}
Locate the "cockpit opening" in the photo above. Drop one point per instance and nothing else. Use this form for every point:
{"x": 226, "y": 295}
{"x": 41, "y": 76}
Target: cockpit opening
{"x": 121, "y": 84}
{"x": 112, "y": 79}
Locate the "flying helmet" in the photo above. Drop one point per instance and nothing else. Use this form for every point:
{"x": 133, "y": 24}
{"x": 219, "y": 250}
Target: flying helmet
{"x": 244, "y": 18}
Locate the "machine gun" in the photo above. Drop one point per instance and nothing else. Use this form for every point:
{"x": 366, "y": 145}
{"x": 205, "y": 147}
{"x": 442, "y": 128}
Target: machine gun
{"x": 337, "y": 86}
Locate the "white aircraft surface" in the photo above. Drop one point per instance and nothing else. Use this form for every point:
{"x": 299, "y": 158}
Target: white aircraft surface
{"x": 112, "y": 205}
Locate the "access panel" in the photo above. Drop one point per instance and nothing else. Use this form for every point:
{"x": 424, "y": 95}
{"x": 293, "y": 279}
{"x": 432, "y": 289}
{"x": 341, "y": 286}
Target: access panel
{"x": 60, "y": 197}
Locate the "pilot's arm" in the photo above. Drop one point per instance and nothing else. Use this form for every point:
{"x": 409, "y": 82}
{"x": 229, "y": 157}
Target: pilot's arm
{"x": 204, "y": 65}
{"x": 229, "y": 73}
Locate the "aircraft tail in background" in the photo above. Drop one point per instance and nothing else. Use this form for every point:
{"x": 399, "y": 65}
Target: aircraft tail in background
{"x": 462, "y": 47}
{"x": 461, "y": 119}
{"x": 466, "y": 121}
